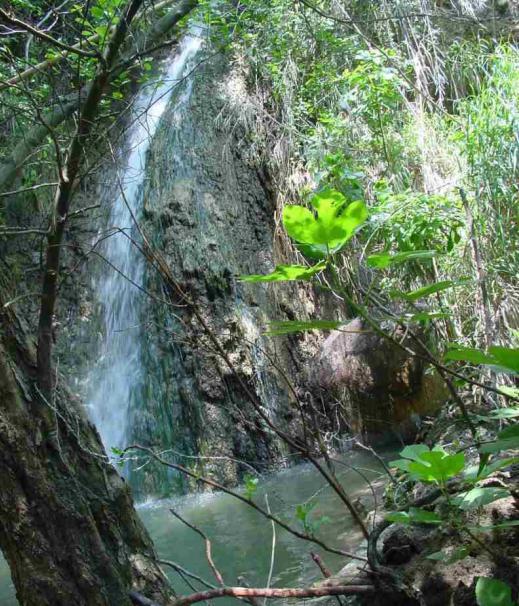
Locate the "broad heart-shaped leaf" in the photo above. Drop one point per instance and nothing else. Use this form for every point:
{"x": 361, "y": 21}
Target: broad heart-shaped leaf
{"x": 414, "y": 451}
{"x": 437, "y": 466}
{"x": 410, "y": 453}
{"x": 334, "y": 223}
{"x": 502, "y": 358}
{"x": 491, "y": 592}
{"x": 479, "y": 497}
{"x": 292, "y": 326}
{"x": 284, "y": 273}
{"x": 415, "y": 515}
{"x": 386, "y": 259}
{"x": 508, "y": 439}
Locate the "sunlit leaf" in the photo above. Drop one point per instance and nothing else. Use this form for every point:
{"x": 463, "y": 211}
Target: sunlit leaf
{"x": 415, "y": 515}
{"x": 333, "y": 225}
{"x": 284, "y": 273}
{"x": 386, "y": 259}
{"x": 436, "y": 466}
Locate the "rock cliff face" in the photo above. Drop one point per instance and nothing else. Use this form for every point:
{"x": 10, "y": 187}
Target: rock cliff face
{"x": 209, "y": 209}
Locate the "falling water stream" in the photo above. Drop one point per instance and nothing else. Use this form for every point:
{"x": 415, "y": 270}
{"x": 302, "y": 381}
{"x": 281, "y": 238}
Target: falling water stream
{"x": 242, "y": 539}
{"x": 115, "y": 378}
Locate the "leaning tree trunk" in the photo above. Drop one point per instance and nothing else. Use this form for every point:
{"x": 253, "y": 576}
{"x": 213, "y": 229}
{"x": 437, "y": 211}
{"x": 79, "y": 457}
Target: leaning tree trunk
{"x": 68, "y": 528}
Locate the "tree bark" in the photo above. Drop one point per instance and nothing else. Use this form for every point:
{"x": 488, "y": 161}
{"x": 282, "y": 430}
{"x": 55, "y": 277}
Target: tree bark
{"x": 68, "y": 528}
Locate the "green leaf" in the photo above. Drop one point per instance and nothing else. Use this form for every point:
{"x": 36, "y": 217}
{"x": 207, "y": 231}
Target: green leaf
{"x": 410, "y": 453}
{"x": 508, "y": 439}
{"x": 506, "y": 357}
{"x": 427, "y": 316}
{"x": 491, "y": 592}
{"x": 414, "y": 451}
{"x": 333, "y": 226}
{"x": 474, "y": 473}
{"x": 415, "y": 515}
{"x": 479, "y": 497}
{"x": 502, "y": 358}
{"x": 426, "y": 291}
{"x": 292, "y": 326}
{"x": 500, "y": 526}
{"x": 512, "y": 392}
{"x": 384, "y": 260}
{"x": 285, "y": 273}
{"x": 455, "y": 556}
{"x": 437, "y": 466}
{"x": 499, "y": 414}
{"x": 313, "y": 251}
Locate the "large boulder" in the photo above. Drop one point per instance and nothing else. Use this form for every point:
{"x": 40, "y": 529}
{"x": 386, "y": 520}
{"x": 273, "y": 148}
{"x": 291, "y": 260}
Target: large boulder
{"x": 382, "y": 390}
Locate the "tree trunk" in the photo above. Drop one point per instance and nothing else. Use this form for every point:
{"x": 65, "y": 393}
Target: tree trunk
{"x": 68, "y": 528}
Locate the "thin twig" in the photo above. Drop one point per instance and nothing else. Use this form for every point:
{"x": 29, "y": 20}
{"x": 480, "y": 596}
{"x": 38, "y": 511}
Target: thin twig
{"x": 208, "y": 553}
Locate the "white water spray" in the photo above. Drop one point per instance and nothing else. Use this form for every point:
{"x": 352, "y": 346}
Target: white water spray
{"x": 118, "y": 373}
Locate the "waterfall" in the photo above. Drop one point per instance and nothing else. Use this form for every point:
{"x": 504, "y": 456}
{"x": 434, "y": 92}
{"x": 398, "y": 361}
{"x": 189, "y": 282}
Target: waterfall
{"x": 115, "y": 378}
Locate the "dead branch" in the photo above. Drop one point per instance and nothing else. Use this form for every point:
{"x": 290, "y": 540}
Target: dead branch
{"x": 184, "y": 571}
{"x": 207, "y": 542}
{"x": 263, "y": 592}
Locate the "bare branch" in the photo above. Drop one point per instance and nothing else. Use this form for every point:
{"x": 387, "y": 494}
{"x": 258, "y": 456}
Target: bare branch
{"x": 207, "y": 542}
{"x": 263, "y": 592}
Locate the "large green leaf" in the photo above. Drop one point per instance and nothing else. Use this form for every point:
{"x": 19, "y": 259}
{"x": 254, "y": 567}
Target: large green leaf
{"x": 437, "y": 466}
{"x": 277, "y": 328}
{"x": 410, "y": 453}
{"x": 415, "y": 515}
{"x": 479, "y": 497}
{"x": 386, "y": 259}
{"x": 332, "y": 226}
{"x": 284, "y": 273}
{"x": 491, "y": 592}
{"x": 502, "y": 358}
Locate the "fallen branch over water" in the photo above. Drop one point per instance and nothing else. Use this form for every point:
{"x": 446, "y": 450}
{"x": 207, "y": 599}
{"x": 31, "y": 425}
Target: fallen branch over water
{"x": 259, "y": 592}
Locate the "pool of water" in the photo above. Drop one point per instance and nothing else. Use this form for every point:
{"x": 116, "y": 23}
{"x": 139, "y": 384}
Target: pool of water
{"x": 242, "y": 539}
